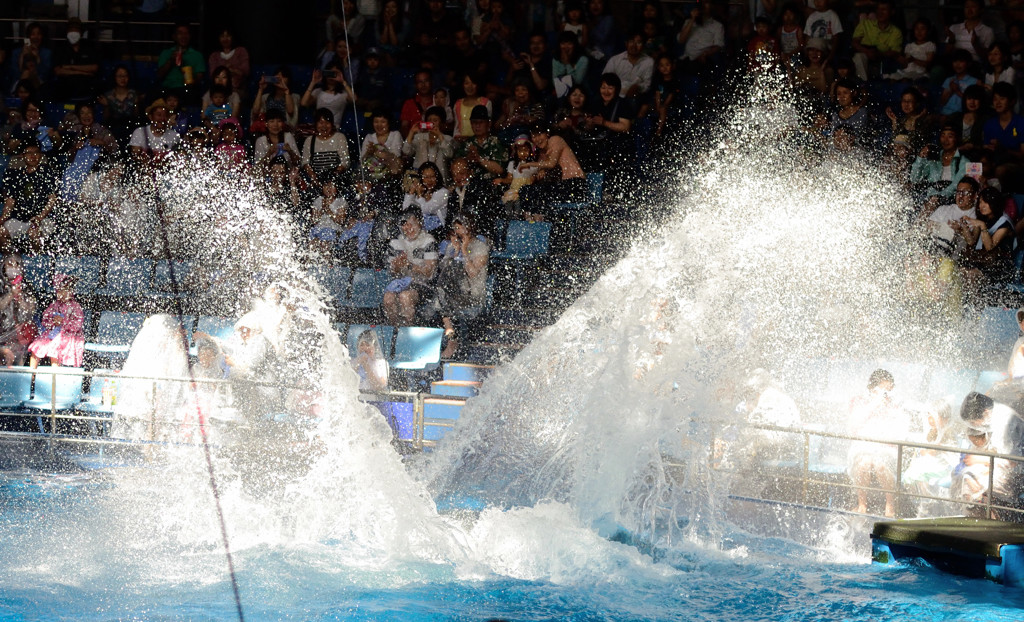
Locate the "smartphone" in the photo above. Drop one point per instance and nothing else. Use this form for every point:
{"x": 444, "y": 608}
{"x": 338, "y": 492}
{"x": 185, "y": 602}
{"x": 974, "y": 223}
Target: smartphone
{"x": 270, "y": 79}
{"x": 280, "y": 148}
{"x": 331, "y": 73}
{"x": 426, "y": 125}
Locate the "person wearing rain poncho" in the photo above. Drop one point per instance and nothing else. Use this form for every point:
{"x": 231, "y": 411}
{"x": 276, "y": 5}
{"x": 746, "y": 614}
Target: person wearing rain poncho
{"x": 997, "y": 428}
{"x": 250, "y": 360}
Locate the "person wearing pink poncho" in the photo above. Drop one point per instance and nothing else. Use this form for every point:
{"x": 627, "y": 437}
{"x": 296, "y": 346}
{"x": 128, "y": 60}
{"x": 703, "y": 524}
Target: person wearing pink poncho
{"x": 62, "y": 339}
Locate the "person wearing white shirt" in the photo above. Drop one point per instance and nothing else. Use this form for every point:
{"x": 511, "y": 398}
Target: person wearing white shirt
{"x": 634, "y": 67}
{"x": 428, "y": 194}
{"x": 971, "y": 34}
{"x": 702, "y": 36}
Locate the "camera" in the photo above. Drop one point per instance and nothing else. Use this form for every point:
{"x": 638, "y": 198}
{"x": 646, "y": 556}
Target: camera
{"x": 331, "y": 73}
{"x": 270, "y": 79}
{"x": 426, "y": 125}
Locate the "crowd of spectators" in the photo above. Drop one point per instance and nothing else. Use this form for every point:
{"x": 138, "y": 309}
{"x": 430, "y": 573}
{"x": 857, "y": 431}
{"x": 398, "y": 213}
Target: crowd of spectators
{"x": 498, "y": 110}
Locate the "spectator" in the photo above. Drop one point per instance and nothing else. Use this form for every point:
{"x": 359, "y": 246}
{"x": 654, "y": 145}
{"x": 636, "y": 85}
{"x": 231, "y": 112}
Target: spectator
{"x": 392, "y": 31}
{"x": 32, "y": 130}
{"x": 279, "y": 97}
{"x": 1015, "y": 369}
{"x": 871, "y": 461}
{"x": 1015, "y": 37}
{"x": 851, "y": 112}
{"x": 1000, "y": 69}
{"x": 532, "y": 67}
{"x": 423, "y": 98}
{"x": 230, "y": 151}
{"x": 333, "y": 93}
{"x": 969, "y": 124}
{"x": 426, "y": 143}
{"x": 427, "y": 194}
{"x": 486, "y": 155}
{"x": 347, "y": 21}
{"x": 374, "y": 83}
{"x": 32, "y": 61}
{"x": 29, "y": 195}
{"x": 328, "y": 215}
{"x": 120, "y": 104}
{"x": 218, "y": 109}
{"x": 970, "y": 35}
{"x": 495, "y": 30}
{"x": 912, "y": 120}
{"x": 382, "y": 148}
{"x": 63, "y": 340}
{"x": 471, "y": 98}
{"x": 283, "y": 185}
{"x": 602, "y": 35}
{"x": 560, "y": 178}
{"x": 954, "y": 86}
{"x": 518, "y": 176}
{"x": 634, "y": 67}
{"x": 221, "y": 78}
{"x": 930, "y": 468}
{"x": 989, "y": 239}
{"x": 151, "y": 143}
{"x": 466, "y": 58}
{"x": 824, "y": 23}
{"x": 17, "y": 310}
{"x": 434, "y": 31}
{"x": 461, "y": 282}
{"x": 607, "y": 144}
{"x": 945, "y": 221}
{"x": 791, "y": 33}
{"x": 877, "y": 43}
{"x": 815, "y": 74}
{"x": 669, "y": 98}
{"x": 997, "y": 428}
{"x": 703, "y": 37}
{"x": 276, "y": 143}
{"x": 918, "y": 55}
{"x": 1004, "y": 137}
{"x": 442, "y": 101}
{"x": 575, "y": 24}
{"x": 479, "y": 199}
{"x": 519, "y": 111}
{"x": 76, "y": 66}
{"x": 763, "y": 48}
{"x": 85, "y": 140}
{"x": 348, "y": 66}
{"x": 326, "y": 151}
{"x": 180, "y": 67}
{"x": 569, "y": 68}
{"x": 235, "y": 59}
{"x": 938, "y": 170}
{"x": 412, "y": 263}
{"x": 369, "y": 362}
{"x": 655, "y": 41}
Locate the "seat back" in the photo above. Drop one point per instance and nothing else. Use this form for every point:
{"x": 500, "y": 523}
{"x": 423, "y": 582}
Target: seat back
{"x": 15, "y": 386}
{"x": 334, "y": 280}
{"x": 367, "y": 288}
{"x": 384, "y": 333}
{"x": 595, "y": 184}
{"x": 127, "y": 277}
{"x": 162, "y": 277}
{"x": 60, "y": 389}
{"x": 527, "y": 239}
{"x": 216, "y": 326}
{"x": 118, "y": 328}
{"x": 86, "y": 269}
{"x": 417, "y": 347}
{"x": 37, "y": 272}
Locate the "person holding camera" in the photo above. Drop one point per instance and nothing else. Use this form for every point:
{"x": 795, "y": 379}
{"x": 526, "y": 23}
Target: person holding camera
{"x": 329, "y": 89}
{"x": 426, "y": 143}
{"x": 939, "y": 168}
{"x": 274, "y": 93}
{"x": 382, "y": 148}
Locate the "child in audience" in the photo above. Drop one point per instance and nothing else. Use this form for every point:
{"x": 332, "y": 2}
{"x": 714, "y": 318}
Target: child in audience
{"x": 218, "y": 110}
{"x": 954, "y": 86}
{"x": 1016, "y": 367}
{"x": 791, "y": 35}
{"x": 443, "y": 101}
{"x": 575, "y": 23}
{"x": 327, "y": 214}
{"x": 522, "y": 151}
{"x": 62, "y": 340}
{"x": 230, "y": 150}
{"x": 918, "y": 55}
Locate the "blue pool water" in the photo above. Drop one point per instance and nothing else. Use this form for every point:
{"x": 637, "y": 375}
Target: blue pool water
{"x": 87, "y": 574}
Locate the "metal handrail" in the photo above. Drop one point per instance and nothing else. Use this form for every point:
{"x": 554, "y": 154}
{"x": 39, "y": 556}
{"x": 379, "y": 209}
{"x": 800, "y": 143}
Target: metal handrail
{"x": 900, "y": 445}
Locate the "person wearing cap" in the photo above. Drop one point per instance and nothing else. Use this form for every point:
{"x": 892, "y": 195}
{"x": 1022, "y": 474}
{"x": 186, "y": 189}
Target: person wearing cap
{"x": 151, "y": 143}
{"x": 75, "y": 65}
{"x": 998, "y": 428}
{"x": 486, "y": 154}
{"x": 29, "y": 196}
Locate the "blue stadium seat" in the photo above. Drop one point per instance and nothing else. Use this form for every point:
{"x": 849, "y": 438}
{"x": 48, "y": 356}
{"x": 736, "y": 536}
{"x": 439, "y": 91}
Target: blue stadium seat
{"x": 55, "y": 389}
{"x": 15, "y": 387}
{"x": 384, "y": 333}
{"x": 37, "y": 272}
{"x": 115, "y": 333}
{"x": 126, "y": 277}
{"x": 367, "y": 288}
{"x": 997, "y": 329}
{"x": 525, "y": 240}
{"x": 163, "y": 286}
{"x": 86, "y": 269}
{"x": 417, "y": 347}
{"x": 217, "y": 327}
{"x": 92, "y": 403}
{"x": 335, "y": 280}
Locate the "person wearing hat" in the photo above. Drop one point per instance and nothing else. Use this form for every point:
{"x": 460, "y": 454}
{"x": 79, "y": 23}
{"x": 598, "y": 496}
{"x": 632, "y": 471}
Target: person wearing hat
{"x": 486, "y": 154}
{"x": 151, "y": 143}
{"x": 998, "y": 428}
{"x": 816, "y": 73}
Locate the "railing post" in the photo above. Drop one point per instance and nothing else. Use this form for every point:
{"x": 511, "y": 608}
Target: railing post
{"x": 152, "y": 415}
{"x": 991, "y": 478}
{"x": 417, "y": 421}
{"x": 53, "y": 402}
{"x": 807, "y": 466}
{"x": 899, "y": 476}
